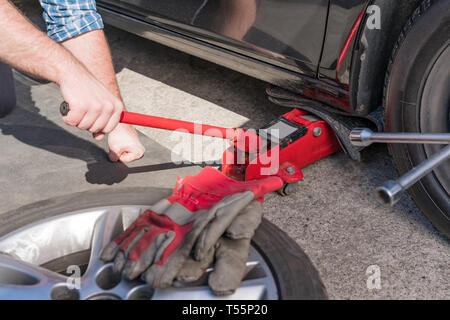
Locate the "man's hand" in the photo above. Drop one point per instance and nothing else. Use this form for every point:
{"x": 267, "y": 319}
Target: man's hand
{"x": 123, "y": 141}
{"x": 92, "y": 106}
{"x": 124, "y": 144}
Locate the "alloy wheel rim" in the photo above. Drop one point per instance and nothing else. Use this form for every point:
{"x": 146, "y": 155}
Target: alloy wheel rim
{"x": 27, "y": 262}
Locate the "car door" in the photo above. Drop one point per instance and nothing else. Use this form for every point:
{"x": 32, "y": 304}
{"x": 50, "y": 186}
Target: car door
{"x": 285, "y": 33}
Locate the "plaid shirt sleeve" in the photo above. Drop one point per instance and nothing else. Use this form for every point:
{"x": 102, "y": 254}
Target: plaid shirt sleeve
{"x": 66, "y": 19}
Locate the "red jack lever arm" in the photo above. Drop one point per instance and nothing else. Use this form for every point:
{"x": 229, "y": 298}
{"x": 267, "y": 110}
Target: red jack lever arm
{"x": 169, "y": 124}
{"x": 173, "y": 124}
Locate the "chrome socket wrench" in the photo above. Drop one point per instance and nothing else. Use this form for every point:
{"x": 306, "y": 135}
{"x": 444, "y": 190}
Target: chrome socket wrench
{"x": 365, "y": 137}
{"x": 392, "y": 191}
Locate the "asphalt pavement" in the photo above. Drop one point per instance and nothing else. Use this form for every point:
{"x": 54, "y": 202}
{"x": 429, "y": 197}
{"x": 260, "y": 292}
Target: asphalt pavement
{"x": 333, "y": 215}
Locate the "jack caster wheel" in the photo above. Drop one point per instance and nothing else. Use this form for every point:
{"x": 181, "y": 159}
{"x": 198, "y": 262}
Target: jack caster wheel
{"x": 288, "y": 189}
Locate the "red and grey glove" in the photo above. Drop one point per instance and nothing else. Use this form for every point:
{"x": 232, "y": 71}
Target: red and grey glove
{"x": 228, "y": 256}
{"x": 197, "y": 213}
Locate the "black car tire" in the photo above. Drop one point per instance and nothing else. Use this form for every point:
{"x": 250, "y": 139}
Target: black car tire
{"x": 417, "y": 99}
{"x": 294, "y": 273}
{"x": 7, "y": 90}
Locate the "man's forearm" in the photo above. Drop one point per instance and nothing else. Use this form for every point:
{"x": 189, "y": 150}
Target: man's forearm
{"x": 22, "y": 45}
{"x": 92, "y": 50}
{"x": 25, "y": 47}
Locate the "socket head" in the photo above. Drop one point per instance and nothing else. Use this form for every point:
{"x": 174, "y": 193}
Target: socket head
{"x": 361, "y": 137}
{"x": 390, "y": 193}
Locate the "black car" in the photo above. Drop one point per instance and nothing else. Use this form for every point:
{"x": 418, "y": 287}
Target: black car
{"x": 355, "y": 57}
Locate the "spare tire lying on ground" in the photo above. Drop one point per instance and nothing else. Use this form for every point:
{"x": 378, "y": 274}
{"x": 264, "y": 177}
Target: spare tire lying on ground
{"x": 68, "y": 231}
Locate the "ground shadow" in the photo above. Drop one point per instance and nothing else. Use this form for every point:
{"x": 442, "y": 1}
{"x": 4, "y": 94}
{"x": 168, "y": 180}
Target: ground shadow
{"x": 34, "y": 129}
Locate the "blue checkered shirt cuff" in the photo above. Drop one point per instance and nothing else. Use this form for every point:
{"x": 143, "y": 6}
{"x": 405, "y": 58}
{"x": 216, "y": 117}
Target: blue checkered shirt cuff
{"x": 66, "y": 19}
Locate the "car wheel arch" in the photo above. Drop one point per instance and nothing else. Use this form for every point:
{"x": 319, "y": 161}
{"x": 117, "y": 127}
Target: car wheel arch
{"x": 372, "y": 52}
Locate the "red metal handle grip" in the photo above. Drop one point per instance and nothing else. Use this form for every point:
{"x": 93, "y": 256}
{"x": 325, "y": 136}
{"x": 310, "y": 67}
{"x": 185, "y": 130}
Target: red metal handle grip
{"x": 169, "y": 124}
{"x": 172, "y": 124}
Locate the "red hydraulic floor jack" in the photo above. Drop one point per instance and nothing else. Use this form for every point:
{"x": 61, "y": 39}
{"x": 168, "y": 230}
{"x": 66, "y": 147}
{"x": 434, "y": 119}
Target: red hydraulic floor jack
{"x": 281, "y": 148}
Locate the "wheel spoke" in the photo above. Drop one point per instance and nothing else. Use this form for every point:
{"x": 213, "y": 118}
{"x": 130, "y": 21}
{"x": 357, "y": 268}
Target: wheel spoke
{"x": 254, "y": 289}
{"x": 23, "y": 281}
{"x": 254, "y": 285}
{"x": 106, "y": 226}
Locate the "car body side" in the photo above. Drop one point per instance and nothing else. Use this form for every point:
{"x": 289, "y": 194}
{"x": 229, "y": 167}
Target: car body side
{"x": 321, "y": 49}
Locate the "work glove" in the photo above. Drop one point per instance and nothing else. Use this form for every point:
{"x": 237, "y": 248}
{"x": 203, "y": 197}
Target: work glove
{"x": 228, "y": 257}
{"x": 158, "y": 243}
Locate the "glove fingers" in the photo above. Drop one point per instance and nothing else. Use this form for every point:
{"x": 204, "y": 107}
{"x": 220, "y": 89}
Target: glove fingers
{"x": 232, "y": 254}
{"x": 140, "y": 223}
{"x": 110, "y": 251}
{"x": 192, "y": 269}
{"x": 119, "y": 262}
{"x": 230, "y": 266}
{"x": 162, "y": 275}
{"x": 134, "y": 267}
{"x": 126, "y": 246}
{"x": 223, "y": 214}
{"x": 246, "y": 222}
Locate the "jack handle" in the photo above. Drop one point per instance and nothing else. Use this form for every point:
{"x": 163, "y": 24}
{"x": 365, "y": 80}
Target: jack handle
{"x": 170, "y": 124}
